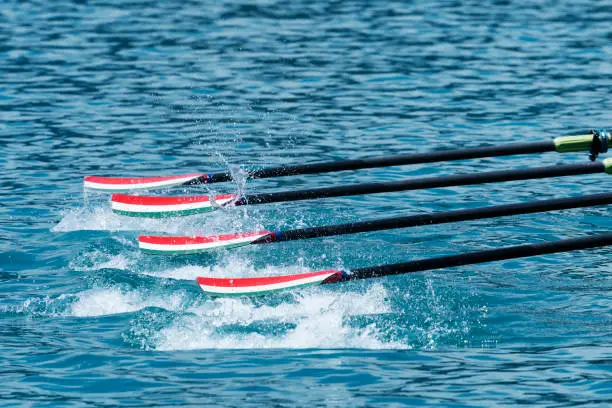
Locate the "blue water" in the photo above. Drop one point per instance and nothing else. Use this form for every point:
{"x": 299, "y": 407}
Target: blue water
{"x": 167, "y": 87}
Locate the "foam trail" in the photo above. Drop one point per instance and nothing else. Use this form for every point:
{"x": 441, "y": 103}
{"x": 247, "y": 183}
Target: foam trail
{"x": 317, "y": 319}
{"x": 109, "y": 301}
{"x": 221, "y": 221}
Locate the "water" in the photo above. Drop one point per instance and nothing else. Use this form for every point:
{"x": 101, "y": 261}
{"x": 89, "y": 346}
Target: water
{"x": 148, "y": 88}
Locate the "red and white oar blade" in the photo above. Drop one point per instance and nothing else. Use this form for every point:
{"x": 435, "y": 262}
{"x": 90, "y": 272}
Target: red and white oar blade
{"x": 165, "y": 245}
{"x": 267, "y": 284}
{"x": 161, "y": 207}
{"x": 111, "y": 184}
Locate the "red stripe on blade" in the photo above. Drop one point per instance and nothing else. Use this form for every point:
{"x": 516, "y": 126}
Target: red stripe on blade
{"x": 203, "y": 239}
{"x": 156, "y": 200}
{"x": 266, "y": 280}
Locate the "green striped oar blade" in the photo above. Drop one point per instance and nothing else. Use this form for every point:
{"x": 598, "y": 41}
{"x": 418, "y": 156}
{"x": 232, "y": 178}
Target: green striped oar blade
{"x": 160, "y": 207}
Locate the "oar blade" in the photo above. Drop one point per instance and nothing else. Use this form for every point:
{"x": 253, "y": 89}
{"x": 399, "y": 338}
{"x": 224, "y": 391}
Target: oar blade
{"x": 162, "y": 207}
{"x": 116, "y": 184}
{"x": 169, "y": 245}
{"x": 223, "y": 287}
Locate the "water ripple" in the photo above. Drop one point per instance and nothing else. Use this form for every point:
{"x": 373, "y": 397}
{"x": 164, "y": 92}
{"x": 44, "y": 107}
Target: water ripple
{"x": 147, "y": 87}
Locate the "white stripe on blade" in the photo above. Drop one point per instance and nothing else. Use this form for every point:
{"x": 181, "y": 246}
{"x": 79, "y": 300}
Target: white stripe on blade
{"x": 254, "y": 290}
{"x": 202, "y": 246}
{"x": 165, "y": 208}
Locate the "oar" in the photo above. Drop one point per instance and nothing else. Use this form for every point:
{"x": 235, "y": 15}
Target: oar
{"x": 157, "y": 207}
{"x": 177, "y": 245}
{"x": 595, "y": 141}
{"x": 270, "y": 284}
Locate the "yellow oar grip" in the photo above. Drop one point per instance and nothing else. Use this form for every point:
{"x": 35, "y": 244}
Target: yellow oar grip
{"x": 576, "y": 143}
{"x": 608, "y": 164}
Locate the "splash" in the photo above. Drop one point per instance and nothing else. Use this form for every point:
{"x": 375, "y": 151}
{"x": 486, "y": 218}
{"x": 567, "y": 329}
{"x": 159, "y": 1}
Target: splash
{"x": 309, "y": 319}
{"x": 109, "y": 301}
{"x": 102, "y": 301}
{"x": 46, "y": 306}
{"x": 170, "y": 313}
{"x": 102, "y": 218}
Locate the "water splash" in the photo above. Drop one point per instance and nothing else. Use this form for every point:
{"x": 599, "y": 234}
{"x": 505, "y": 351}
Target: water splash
{"x": 102, "y": 218}
{"x": 315, "y": 318}
{"x": 113, "y": 300}
{"x": 98, "y": 301}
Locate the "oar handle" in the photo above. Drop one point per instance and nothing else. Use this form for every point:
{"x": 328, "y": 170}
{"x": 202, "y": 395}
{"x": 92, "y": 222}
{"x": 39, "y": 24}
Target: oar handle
{"x": 472, "y": 258}
{"x": 432, "y": 182}
{"x": 575, "y": 143}
{"x": 595, "y": 142}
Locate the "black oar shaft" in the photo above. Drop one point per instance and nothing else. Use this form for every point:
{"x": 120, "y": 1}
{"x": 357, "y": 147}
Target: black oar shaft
{"x": 471, "y": 258}
{"x": 406, "y": 159}
{"x": 397, "y": 160}
{"x": 423, "y": 183}
{"x": 444, "y": 217}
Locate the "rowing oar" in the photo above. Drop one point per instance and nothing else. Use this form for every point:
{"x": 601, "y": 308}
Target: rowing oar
{"x": 158, "y": 207}
{"x": 595, "y": 141}
{"x": 270, "y": 284}
{"x": 176, "y": 245}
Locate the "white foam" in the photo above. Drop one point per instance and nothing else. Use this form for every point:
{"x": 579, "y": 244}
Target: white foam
{"x": 319, "y": 316}
{"x": 40, "y": 306}
{"x": 102, "y": 218}
{"x": 87, "y": 218}
{"x": 109, "y": 301}
{"x": 101, "y": 301}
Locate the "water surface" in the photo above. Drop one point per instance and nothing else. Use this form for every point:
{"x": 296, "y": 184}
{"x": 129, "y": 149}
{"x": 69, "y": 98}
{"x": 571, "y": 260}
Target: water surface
{"x": 168, "y": 87}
